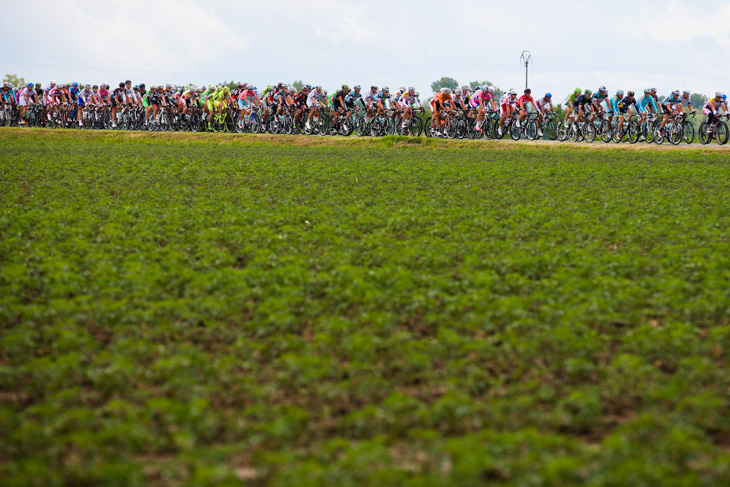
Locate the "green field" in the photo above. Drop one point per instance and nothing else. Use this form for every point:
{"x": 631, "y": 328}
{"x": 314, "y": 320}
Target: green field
{"x": 184, "y": 310}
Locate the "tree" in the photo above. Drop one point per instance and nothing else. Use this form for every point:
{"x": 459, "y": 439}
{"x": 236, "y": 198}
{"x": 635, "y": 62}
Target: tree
{"x": 14, "y": 80}
{"x": 698, "y": 100}
{"x": 298, "y": 84}
{"x": 444, "y": 82}
{"x": 231, "y": 84}
{"x": 497, "y": 92}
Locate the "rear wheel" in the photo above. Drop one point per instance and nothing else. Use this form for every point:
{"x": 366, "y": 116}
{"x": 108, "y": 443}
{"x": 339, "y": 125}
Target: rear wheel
{"x": 605, "y": 131}
{"x": 551, "y": 129}
{"x": 514, "y": 131}
{"x": 562, "y": 131}
{"x": 634, "y": 132}
{"x": 674, "y": 133}
{"x": 589, "y": 131}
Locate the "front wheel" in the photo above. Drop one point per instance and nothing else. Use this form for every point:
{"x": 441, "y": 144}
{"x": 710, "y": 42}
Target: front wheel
{"x": 721, "y": 133}
{"x": 704, "y": 136}
{"x": 688, "y": 132}
{"x": 515, "y": 131}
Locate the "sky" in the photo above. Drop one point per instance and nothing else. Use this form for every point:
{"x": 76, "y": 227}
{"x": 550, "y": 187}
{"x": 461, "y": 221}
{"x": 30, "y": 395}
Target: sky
{"x": 622, "y": 44}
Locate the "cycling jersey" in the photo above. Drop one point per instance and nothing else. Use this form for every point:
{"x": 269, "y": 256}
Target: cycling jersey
{"x": 408, "y": 100}
{"x": 351, "y": 98}
{"x": 599, "y": 98}
{"x": 369, "y": 96}
{"x": 382, "y": 96}
{"x": 544, "y": 103}
{"x": 715, "y": 103}
{"x": 625, "y": 103}
{"x": 646, "y": 101}
{"x": 480, "y": 95}
{"x": 314, "y": 97}
{"x": 614, "y": 103}
{"x": 85, "y": 97}
{"x": 525, "y": 100}
{"x": 672, "y": 100}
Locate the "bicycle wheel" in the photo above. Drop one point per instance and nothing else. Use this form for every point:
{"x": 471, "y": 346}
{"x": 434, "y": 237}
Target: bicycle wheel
{"x": 589, "y": 131}
{"x": 346, "y": 128}
{"x": 634, "y": 132}
{"x": 562, "y": 131}
{"x": 658, "y": 135}
{"x": 704, "y": 136}
{"x": 688, "y": 132}
{"x": 416, "y": 126}
{"x": 531, "y": 130}
{"x": 605, "y": 131}
{"x": 515, "y": 131}
{"x": 427, "y": 127}
{"x": 674, "y": 133}
{"x": 360, "y": 126}
{"x": 550, "y": 129}
{"x": 721, "y": 133}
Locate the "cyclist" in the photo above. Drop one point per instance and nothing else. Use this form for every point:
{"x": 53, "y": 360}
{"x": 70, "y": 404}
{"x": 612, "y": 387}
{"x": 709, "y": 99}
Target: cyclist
{"x": 353, "y": 100}
{"x": 544, "y": 106}
{"x": 712, "y": 109}
{"x": 27, "y": 97}
{"x": 440, "y": 103}
{"x": 686, "y": 98}
{"x": 523, "y": 103}
{"x": 85, "y": 98}
{"x": 369, "y": 99}
{"x": 508, "y": 104}
{"x": 117, "y": 97}
{"x": 315, "y": 99}
{"x": 669, "y": 108}
{"x": 338, "y": 103}
{"x": 407, "y": 101}
{"x": 569, "y": 102}
{"x": 300, "y": 100}
{"x": 458, "y": 98}
{"x": 599, "y": 98}
{"x": 478, "y": 101}
{"x": 582, "y": 104}
{"x": 104, "y": 95}
{"x": 156, "y": 99}
{"x": 382, "y": 99}
{"x": 623, "y": 107}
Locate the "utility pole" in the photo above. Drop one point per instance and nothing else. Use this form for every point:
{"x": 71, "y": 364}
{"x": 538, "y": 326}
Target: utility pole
{"x": 526, "y": 58}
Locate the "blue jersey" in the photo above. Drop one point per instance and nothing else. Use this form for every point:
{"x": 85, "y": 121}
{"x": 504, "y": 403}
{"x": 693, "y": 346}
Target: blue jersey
{"x": 644, "y": 102}
{"x": 614, "y": 103}
{"x": 672, "y": 100}
{"x": 382, "y": 96}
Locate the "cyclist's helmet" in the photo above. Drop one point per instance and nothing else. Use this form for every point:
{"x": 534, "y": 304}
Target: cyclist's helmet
{"x": 587, "y": 92}
{"x": 465, "y": 88}
{"x": 490, "y": 89}
{"x": 30, "y": 85}
{"x": 653, "y": 90}
{"x": 374, "y": 88}
{"x": 94, "y": 87}
{"x": 686, "y": 92}
{"x": 458, "y": 92}
{"x": 675, "y": 93}
{"x": 718, "y": 94}
{"x": 477, "y": 88}
{"x": 345, "y": 88}
{"x": 647, "y": 90}
{"x": 159, "y": 87}
{"x": 168, "y": 86}
{"x": 528, "y": 91}
{"x": 356, "y": 87}
{"x": 53, "y": 82}
{"x": 578, "y": 91}
{"x": 136, "y": 88}
{"x": 38, "y": 85}
{"x": 548, "y": 95}
{"x": 325, "y": 92}
{"x": 444, "y": 90}
{"x": 411, "y": 89}
{"x": 448, "y": 91}
{"x": 128, "y": 82}
{"x": 620, "y": 93}
{"x": 724, "y": 96}
{"x": 319, "y": 87}
{"x": 630, "y": 93}
{"x": 418, "y": 94}
{"x": 513, "y": 92}
{"x": 285, "y": 86}
{"x": 75, "y": 84}
{"x": 602, "y": 88}
{"x": 386, "y": 89}
{"x": 402, "y": 89}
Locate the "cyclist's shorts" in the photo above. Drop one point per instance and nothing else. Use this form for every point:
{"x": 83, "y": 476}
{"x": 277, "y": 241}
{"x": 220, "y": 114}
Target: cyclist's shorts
{"x": 242, "y": 104}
